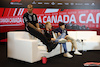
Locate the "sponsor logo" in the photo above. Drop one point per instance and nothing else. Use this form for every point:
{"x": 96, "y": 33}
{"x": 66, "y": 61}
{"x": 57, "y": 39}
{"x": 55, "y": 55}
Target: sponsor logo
{"x": 78, "y": 3}
{"x": 39, "y": 2}
{"x": 71, "y": 3}
{"x": 33, "y": 2}
{"x": 93, "y": 4}
{"x": 46, "y": 3}
{"x": 86, "y": 3}
{"x": 53, "y": 3}
{"x": 66, "y": 3}
{"x": 15, "y": 2}
{"x": 60, "y": 3}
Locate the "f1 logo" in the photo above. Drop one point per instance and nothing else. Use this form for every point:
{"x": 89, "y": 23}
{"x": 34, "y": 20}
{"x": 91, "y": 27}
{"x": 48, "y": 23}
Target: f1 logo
{"x": 16, "y": 1}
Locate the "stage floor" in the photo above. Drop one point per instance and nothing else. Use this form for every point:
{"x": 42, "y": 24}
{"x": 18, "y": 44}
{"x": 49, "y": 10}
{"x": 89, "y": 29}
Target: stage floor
{"x": 59, "y": 60}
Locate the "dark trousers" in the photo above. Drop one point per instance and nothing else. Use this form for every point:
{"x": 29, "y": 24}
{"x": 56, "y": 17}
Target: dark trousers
{"x": 39, "y": 35}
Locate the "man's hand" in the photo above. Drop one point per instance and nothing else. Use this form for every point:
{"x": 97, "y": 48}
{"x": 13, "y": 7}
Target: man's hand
{"x": 66, "y": 36}
{"x": 53, "y": 39}
{"x": 59, "y": 33}
{"x": 40, "y": 30}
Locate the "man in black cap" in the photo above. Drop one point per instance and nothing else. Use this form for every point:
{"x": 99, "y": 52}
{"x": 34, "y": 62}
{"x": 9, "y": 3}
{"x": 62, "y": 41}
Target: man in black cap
{"x": 62, "y": 30}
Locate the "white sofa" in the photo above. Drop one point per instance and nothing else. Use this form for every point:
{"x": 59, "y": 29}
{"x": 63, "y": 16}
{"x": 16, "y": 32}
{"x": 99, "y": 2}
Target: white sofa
{"x": 91, "y": 41}
{"x": 23, "y": 46}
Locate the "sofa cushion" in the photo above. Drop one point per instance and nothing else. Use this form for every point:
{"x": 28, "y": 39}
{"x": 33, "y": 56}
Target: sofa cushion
{"x": 85, "y": 34}
{"x": 42, "y": 49}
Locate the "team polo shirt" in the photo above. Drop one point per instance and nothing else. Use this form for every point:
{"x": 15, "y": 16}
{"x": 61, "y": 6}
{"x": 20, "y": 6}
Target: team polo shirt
{"x": 48, "y": 34}
{"x": 29, "y": 17}
{"x": 60, "y": 30}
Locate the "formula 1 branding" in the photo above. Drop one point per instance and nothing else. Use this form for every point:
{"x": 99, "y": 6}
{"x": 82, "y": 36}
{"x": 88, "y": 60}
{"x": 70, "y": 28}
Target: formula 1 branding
{"x": 73, "y": 18}
{"x": 15, "y": 2}
{"x": 69, "y": 18}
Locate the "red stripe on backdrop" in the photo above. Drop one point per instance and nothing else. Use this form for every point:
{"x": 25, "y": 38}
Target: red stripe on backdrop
{"x": 3, "y": 40}
{"x": 6, "y": 12}
{"x": 13, "y": 16}
{"x": 1, "y": 11}
{"x": 38, "y": 11}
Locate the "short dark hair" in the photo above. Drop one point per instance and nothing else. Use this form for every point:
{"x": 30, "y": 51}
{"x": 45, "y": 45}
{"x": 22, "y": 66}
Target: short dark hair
{"x": 30, "y": 5}
{"x": 61, "y": 23}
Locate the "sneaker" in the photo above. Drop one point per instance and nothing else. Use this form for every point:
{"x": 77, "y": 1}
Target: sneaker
{"x": 62, "y": 40}
{"x": 77, "y": 53}
{"x": 67, "y": 55}
{"x": 51, "y": 46}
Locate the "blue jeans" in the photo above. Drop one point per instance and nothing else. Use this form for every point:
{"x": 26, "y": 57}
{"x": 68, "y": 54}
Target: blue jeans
{"x": 63, "y": 44}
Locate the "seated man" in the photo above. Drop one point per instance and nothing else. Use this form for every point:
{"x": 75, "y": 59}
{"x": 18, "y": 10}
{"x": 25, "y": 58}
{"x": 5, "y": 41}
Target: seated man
{"x": 32, "y": 26}
{"x": 61, "y": 30}
{"x": 60, "y": 39}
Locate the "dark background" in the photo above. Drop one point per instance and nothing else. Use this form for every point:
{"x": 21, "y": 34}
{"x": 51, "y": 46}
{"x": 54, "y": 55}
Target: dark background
{"x": 6, "y": 3}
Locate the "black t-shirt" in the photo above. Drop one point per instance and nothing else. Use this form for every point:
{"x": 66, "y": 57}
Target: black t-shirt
{"x": 32, "y": 18}
{"x": 48, "y": 34}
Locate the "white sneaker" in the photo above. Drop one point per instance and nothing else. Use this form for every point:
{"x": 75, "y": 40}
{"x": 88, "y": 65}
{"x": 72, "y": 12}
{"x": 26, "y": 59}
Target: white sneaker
{"x": 77, "y": 53}
{"x": 62, "y": 40}
{"x": 67, "y": 55}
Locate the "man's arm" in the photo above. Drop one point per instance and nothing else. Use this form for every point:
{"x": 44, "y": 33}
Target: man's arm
{"x": 59, "y": 33}
{"x": 66, "y": 36}
{"x": 31, "y": 25}
{"x": 36, "y": 21}
{"x": 37, "y": 25}
{"x": 53, "y": 39}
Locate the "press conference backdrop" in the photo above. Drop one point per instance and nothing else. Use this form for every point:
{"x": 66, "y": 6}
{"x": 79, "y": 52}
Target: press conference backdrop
{"x": 76, "y": 14}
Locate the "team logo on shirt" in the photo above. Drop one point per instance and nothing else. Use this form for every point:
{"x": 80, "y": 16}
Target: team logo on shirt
{"x": 30, "y": 18}
{"x": 34, "y": 18}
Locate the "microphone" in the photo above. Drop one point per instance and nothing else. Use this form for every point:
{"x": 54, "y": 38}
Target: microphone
{"x": 81, "y": 40}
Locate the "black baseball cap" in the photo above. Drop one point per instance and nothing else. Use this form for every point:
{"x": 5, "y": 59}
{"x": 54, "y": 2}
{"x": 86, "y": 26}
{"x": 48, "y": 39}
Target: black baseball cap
{"x": 61, "y": 23}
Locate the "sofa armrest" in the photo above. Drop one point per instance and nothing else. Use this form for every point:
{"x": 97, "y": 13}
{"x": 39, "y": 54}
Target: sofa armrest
{"x": 94, "y": 38}
{"x": 98, "y": 37}
{"x": 23, "y": 49}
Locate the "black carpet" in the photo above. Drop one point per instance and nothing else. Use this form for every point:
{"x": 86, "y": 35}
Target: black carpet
{"x": 56, "y": 61}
